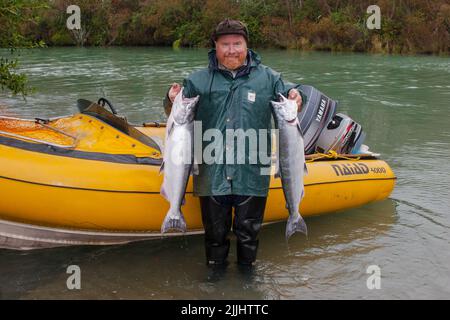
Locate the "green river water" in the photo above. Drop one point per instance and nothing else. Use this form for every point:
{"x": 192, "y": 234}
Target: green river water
{"x": 403, "y": 104}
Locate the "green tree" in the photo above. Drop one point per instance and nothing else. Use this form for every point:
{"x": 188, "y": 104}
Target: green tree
{"x": 14, "y": 14}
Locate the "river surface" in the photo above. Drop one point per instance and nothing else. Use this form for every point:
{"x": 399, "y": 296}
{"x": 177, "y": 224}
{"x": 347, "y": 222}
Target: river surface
{"x": 402, "y": 102}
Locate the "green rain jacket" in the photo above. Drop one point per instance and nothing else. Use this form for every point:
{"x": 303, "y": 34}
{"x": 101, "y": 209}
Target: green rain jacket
{"x": 226, "y": 105}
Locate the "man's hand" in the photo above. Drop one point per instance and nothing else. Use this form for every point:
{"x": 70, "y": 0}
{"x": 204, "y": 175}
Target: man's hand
{"x": 173, "y": 92}
{"x": 295, "y": 95}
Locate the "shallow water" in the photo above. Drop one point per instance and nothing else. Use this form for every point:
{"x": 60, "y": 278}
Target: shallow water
{"x": 402, "y": 103}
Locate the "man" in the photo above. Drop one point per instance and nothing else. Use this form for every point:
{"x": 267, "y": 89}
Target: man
{"x": 235, "y": 93}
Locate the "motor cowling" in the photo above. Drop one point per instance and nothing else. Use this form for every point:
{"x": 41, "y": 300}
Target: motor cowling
{"x": 316, "y": 113}
{"x": 342, "y": 135}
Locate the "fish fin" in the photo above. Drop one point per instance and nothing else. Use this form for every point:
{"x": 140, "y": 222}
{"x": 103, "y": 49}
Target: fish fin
{"x": 295, "y": 224}
{"x": 194, "y": 169}
{"x": 303, "y": 194}
{"x": 170, "y": 128}
{"x": 276, "y": 163}
{"x": 183, "y": 202}
{"x": 161, "y": 168}
{"x": 173, "y": 222}
{"x": 159, "y": 142}
{"x": 301, "y": 133}
{"x": 299, "y": 128}
{"x": 278, "y": 173}
{"x": 163, "y": 192}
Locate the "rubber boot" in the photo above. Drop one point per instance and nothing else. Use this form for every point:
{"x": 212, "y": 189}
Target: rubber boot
{"x": 246, "y": 225}
{"x": 217, "y": 224}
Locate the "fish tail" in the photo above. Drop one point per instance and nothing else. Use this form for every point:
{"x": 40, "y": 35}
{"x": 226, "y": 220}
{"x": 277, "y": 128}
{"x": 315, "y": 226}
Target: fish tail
{"x": 296, "y": 224}
{"x": 174, "y": 222}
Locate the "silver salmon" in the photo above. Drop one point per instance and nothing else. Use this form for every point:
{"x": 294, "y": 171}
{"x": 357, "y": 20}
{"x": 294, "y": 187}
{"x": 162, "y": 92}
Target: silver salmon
{"x": 291, "y": 160}
{"x": 178, "y": 159}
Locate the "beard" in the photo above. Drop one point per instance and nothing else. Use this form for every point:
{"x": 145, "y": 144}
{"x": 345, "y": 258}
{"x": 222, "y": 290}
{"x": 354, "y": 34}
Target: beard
{"x": 233, "y": 63}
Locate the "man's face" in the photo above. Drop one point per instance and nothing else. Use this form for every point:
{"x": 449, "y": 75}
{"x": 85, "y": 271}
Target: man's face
{"x": 231, "y": 50}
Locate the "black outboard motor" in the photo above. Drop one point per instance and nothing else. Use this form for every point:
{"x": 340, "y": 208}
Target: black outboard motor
{"x": 315, "y": 115}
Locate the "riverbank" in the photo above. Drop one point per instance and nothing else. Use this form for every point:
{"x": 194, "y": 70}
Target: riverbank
{"x": 406, "y": 27}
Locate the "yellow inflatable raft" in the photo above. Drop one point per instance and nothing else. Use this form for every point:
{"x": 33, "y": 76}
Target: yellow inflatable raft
{"x": 91, "y": 178}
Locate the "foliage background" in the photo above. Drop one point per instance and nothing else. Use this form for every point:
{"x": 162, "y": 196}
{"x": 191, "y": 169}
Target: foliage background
{"x": 407, "y": 26}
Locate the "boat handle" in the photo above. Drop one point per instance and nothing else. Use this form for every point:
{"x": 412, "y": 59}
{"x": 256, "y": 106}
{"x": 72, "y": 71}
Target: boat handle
{"x": 44, "y": 122}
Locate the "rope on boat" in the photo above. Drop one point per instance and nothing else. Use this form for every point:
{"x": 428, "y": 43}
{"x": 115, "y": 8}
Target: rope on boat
{"x": 332, "y": 155}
